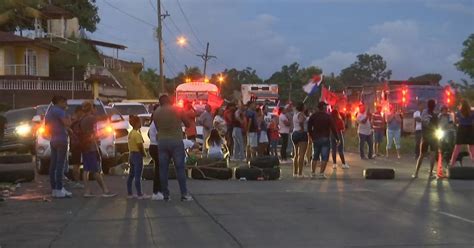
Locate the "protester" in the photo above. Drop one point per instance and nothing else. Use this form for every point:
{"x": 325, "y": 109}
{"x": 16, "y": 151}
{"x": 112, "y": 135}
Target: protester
{"x": 75, "y": 147}
{"x": 378, "y": 124}
{"x": 309, "y": 148}
{"x": 90, "y": 151}
{"x": 338, "y": 147}
{"x": 418, "y": 128}
{"x": 465, "y": 131}
{"x": 153, "y": 150}
{"x": 205, "y": 119}
{"x": 237, "y": 133}
{"x": 429, "y": 121}
{"x": 168, "y": 120}
{"x": 274, "y": 135}
{"x": 190, "y": 115}
{"x": 285, "y": 126}
{"x": 219, "y": 122}
{"x": 252, "y": 130}
{"x": 136, "y": 155}
{"x": 58, "y": 123}
{"x": 300, "y": 140}
{"x": 447, "y": 142}
{"x": 262, "y": 133}
{"x": 215, "y": 145}
{"x": 394, "y": 127}
{"x": 320, "y": 127}
{"x": 365, "y": 132}
{"x": 228, "y": 117}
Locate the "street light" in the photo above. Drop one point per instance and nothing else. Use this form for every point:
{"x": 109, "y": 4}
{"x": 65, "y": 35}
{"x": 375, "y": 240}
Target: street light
{"x": 221, "y": 79}
{"x": 182, "y": 41}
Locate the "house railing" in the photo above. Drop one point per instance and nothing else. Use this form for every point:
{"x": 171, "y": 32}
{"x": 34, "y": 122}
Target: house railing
{"x": 16, "y": 69}
{"x": 57, "y": 85}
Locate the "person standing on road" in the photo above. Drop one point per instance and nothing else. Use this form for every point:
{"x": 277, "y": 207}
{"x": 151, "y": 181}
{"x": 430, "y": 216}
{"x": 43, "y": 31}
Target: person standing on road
{"x": 168, "y": 120}
{"x": 190, "y": 115}
{"x": 338, "y": 147}
{"x": 136, "y": 155}
{"x": 274, "y": 136}
{"x": 205, "y": 119}
{"x": 447, "y": 142}
{"x": 75, "y": 147}
{"x": 465, "y": 131}
{"x": 429, "y": 121}
{"x": 153, "y": 150}
{"x": 378, "y": 124}
{"x": 285, "y": 126}
{"x": 300, "y": 140}
{"x": 418, "y": 129}
{"x": 237, "y": 133}
{"x": 228, "y": 117}
{"x": 252, "y": 129}
{"x": 394, "y": 127}
{"x": 262, "y": 133}
{"x": 365, "y": 132}
{"x": 320, "y": 127}
{"x": 90, "y": 151}
{"x": 57, "y": 121}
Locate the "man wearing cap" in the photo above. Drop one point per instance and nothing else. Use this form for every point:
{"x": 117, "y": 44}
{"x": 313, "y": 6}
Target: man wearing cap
{"x": 320, "y": 126}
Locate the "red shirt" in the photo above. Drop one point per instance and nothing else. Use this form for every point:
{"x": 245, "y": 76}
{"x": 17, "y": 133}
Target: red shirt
{"x": 273, "y": 131}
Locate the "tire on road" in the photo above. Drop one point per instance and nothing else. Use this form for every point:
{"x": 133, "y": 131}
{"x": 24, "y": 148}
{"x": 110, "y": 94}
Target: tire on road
{"x": 463, "y": 173}
{"x": 214, "y": 163}
{"x": 271, "y": 173}
{"x": 265, "y": 162}
{"x": 42, "y": 166}
{"x": 15, "y": 173}
{"x": 379, "y": 173}
{"x": 16, "y": 159}
{"x": 211, "y": 173}
{"x": 250, "y": 174}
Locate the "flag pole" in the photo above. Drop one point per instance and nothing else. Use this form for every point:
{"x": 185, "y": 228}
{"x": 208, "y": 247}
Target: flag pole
{"x": 306, "y": 98}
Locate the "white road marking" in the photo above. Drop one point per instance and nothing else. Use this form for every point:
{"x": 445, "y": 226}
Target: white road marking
{"x": 456, "y": 217}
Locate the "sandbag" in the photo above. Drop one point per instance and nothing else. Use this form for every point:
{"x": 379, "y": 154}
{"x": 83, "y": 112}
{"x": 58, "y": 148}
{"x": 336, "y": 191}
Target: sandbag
{"x": 379, "y": 173}
{"x": 209, "y": 162}
{"x": 16, "y": 159}
{"x": 265, "y": 162}
{"x": 251, "y": 173}
{"x": 211, "y": 173}
{"x": 464, "y": 173}
{"x": 271, "y": 173}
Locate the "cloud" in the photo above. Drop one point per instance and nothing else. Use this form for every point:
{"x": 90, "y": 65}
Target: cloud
{"x": 335, "y": 61}
{"x": 456, "y": 7}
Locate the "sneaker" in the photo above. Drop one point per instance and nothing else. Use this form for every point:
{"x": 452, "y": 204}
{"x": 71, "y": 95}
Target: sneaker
{"x": 143, "y": 197}
{"x": 78, "y": 186}
{"x": 345, "y": 166}
{"x": 334, "y": 166}
{"x": 67, "y": 193}
{"x": 186, "y": 198}
{"x": 414, "y": 176}
{"x": 322, "y": 176}
{"x": 109, "y": 195}
{"x": 157, "y": 197}
{"x": 60, "y": 194}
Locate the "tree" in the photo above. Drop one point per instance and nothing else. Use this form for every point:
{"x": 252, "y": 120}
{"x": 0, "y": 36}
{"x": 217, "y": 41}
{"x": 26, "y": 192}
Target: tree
{"x": 434, "y": 78}
{"x": 233, "y": 79}
{"x": 367, "y": 69}
{"x": 151, "y": 79}
{"x": 466, "y": 64}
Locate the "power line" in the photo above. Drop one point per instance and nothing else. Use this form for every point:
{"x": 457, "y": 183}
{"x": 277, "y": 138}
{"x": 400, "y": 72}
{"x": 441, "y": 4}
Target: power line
{"x": 189, "y": 24}
{"x": 129, "y": 15}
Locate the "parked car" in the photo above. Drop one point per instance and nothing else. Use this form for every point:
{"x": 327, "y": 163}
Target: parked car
{"x": 19, "y": 131}
{"x": 105, "y": 132}
{"x": 121, "y": 128}
{"x": 146, "y": 122}
{"x": 129, "y": 108}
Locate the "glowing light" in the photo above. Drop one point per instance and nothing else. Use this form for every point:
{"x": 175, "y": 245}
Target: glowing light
{"x": 23, "y": 130}
{"x": 206, "y": 80}
{"x": 439, "y": 133}
{"x": 182, "y": 41}
{"x": 220, "y": 78}
{"x": 188, "y": 80}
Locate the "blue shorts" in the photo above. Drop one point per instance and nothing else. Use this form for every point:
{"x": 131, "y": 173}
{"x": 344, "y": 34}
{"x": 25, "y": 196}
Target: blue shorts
{"x": 321, "y": 149}
{"x": 299, "y": 136}
{"x": 91, "y": 162}
{"x": 393, "y": 135}
{"x": 378, "y": 135}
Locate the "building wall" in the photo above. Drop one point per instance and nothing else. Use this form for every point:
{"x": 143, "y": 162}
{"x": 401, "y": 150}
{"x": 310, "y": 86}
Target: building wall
{"x": 72, "y": 27}
{"x": 16, "y": 55}
{"x": 2, "y": 61}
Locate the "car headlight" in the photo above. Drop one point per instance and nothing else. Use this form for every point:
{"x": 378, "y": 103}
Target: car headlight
{"x": 23, "y": 130}
{"x": 439, "y": 133}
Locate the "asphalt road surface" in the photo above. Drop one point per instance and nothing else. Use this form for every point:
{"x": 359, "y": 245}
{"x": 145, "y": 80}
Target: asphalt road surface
{"x": 342, "y": 211}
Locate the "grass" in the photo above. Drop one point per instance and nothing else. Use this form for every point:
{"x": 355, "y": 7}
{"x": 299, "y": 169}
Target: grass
{"x": 351, "y": 139}
{"x": 136, "y": 89}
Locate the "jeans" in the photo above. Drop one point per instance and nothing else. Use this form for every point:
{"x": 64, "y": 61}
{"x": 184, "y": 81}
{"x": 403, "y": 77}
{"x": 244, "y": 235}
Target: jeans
{"x": 58, "y": 161}
{"x": 321, "y": 148}
{"x": 338, "y": 148}
{"x": 284, "y": 145}
{"x": 393, "y": 135}
{"x": 172, "y": 149}
{"x": 239, "y": 147}
{"x": 418, "y": 135}
{"x": 136, "y": 170}
{"x": 156, "y": 177}
{"x": 370, "y": 142}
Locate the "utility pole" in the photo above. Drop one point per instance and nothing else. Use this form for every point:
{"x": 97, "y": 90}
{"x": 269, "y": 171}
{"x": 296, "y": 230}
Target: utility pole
{"x": 206, "y": 57}
{"x": 161, "y": 17}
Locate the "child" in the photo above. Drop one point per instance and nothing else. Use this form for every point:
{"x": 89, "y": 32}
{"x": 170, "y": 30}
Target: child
{"x": 215, "y": 145}
{"x": 274, "y": 135}
{"x": 137, "y": 152}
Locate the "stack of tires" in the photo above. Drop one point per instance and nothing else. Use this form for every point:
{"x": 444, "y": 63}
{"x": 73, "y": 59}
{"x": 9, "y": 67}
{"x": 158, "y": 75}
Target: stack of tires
{"x": 149, "y": 171}
{"x": 260, "y": 168}
{"x": 208, "y": 169}
{"x": 16, "y": 168}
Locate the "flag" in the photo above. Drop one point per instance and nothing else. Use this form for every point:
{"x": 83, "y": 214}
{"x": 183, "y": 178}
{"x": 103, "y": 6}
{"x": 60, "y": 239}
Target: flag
{"x": 329, "y": 97}
{"x": 214, "y": 101}
{"x": 313, "y": 85}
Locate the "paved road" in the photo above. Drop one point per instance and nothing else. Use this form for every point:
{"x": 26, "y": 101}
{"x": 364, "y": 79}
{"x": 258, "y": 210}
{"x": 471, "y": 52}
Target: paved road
{"x": 343, "y": 211}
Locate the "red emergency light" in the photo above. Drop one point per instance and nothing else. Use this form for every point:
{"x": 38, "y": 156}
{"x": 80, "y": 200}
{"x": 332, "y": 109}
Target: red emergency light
{"x": 448, "y": 96}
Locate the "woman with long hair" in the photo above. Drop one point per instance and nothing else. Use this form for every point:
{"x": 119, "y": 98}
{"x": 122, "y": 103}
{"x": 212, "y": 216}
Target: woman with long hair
{"x": 300, "y": 140}
{"x": 335, "y": 146}
{"x": 465, "y": 131}
{"x": 215, "y": 145}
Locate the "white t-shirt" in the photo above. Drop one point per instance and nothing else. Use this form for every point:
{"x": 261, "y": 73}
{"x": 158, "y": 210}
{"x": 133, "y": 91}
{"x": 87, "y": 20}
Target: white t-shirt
{"x": 188, "y": 143}
{"x": 418, "y": 125}
{"x": 364, "y": 128}
{"x": 283, "y": 128}
{"x": 152, "y": 132}
{"x": 296, "y": 122}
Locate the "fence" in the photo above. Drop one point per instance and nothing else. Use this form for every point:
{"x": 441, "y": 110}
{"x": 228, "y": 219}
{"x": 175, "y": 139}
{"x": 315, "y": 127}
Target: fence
{"x": 43, "y": 85}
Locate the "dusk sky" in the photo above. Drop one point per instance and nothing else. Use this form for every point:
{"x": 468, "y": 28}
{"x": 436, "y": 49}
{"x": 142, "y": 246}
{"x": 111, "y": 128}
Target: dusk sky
{"x": 414, "y": 36}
